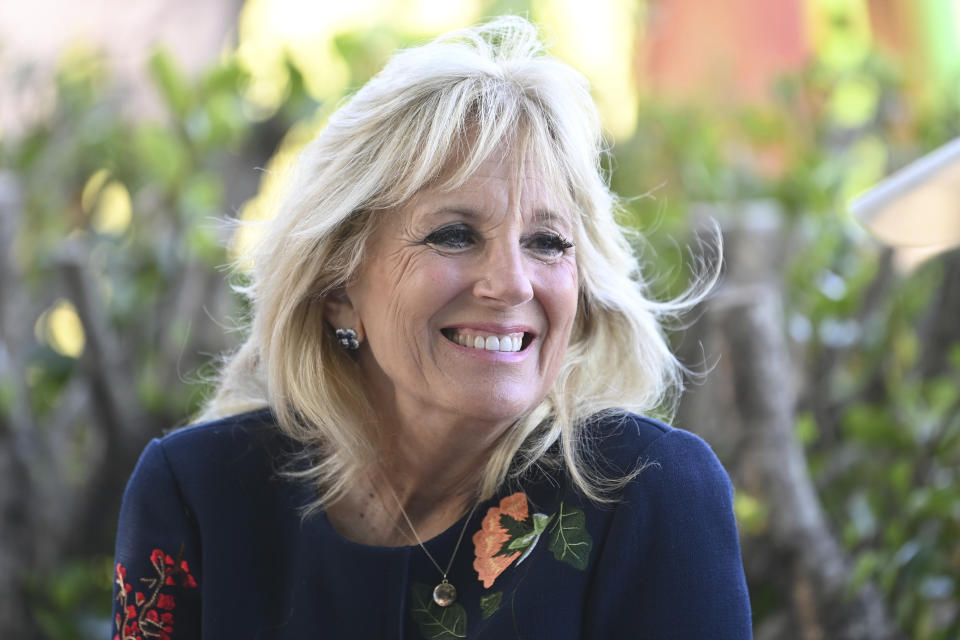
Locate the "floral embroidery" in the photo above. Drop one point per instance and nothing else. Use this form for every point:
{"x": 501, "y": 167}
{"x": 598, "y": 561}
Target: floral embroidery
{"x": 570, "y": 541}
{"x": 151, "y": 614}
{"x": 490, "y": 603}
{"x": 509, "y": 533}
{"x": 436, "y": 622}
{"x": 489, "y": 540}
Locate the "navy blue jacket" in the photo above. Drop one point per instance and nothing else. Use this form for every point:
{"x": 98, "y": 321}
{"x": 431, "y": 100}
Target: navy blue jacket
{"x": 212, "y": 543}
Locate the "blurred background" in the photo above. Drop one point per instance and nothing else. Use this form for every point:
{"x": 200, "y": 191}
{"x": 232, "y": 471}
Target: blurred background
{"x": 131, "y": 133}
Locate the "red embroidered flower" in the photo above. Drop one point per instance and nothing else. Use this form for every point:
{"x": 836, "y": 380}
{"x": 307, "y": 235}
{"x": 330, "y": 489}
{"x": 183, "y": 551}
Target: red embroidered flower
{"x": 151, "y": 616}
{"x": 491, "y": 536}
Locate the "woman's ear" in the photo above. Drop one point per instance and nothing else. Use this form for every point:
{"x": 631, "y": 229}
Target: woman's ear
{"x": 339, "y": 312}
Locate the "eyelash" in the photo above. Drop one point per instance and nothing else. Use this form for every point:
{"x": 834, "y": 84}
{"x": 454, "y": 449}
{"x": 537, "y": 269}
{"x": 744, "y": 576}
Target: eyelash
{"x": 458, "y": 237}
{"x": 551, "y": 243}
{"x": 454, "y": 236}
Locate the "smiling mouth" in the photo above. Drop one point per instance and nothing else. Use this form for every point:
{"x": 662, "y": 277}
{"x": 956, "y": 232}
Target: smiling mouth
{"x": 470, "y": 338}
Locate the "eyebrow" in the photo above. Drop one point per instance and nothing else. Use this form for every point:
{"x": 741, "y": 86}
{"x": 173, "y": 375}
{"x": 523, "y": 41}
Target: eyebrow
{"x": 540, "y": 214}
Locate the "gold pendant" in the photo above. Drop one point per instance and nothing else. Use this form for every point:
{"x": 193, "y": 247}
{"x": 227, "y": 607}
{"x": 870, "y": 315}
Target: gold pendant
{"x": 444, "y": 594}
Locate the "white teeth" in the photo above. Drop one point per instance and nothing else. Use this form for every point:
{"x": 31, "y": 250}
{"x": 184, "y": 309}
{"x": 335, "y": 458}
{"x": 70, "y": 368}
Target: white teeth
{"x": 488, "y": 342}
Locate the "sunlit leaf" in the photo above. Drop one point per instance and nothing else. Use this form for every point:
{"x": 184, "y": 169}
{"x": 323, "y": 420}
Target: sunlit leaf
{"x": 114, "y": 209}
{"x": 60, "y": 328}
{"x": 751, "y": 513}
{"x": 91, "y": 190}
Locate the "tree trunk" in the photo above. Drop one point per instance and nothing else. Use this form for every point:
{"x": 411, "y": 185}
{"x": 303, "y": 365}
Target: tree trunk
{"x": 17, "y": 431}
{"x": 746, "y": 409}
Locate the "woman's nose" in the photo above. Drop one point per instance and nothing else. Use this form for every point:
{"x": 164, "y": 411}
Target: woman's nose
{"x": 503, "y": 276}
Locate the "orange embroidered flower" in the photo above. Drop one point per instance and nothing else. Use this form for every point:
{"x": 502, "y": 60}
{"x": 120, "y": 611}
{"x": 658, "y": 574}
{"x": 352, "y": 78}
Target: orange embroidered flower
{"x": 491, "y": 536}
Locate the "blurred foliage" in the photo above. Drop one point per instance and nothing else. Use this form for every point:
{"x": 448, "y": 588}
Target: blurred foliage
{"x": 882, "y": 434}
{"x": 138, "y": 205}
{"x": 142, "y": 200}
{"x": 73, "y": 601}
{"x": 144, "y": 197}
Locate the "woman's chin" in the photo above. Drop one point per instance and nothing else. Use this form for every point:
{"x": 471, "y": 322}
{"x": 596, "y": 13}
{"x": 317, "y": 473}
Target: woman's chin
{"x": 497, "y": 408}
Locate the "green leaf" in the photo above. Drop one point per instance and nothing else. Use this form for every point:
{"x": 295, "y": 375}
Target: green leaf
{"x": 953, "y": 356}
{"x": 515, "y": 528}
{"x": 160, "y": 155}
{"x": 570, "y": 541}
{"x": 171, "y": 82}
{"x": 436, "y": 622}
{"x": 521, "y": 535}
{"x": 490, "y": 603}
{"x": 540, "y": 522}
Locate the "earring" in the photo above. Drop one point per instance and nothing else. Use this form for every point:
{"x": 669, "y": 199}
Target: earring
{"x": 348, "y": 339}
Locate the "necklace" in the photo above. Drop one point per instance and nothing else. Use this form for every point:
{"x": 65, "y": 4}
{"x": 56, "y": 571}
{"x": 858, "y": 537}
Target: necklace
{"x": 444, "y": 594}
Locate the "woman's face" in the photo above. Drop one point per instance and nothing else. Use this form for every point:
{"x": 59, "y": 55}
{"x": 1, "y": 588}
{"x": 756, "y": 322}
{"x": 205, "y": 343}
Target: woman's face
{"x": 467, "y": 298}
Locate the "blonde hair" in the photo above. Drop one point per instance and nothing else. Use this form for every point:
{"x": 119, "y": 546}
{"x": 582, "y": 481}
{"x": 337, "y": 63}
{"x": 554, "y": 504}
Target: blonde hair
{"x": 460, "y": 96}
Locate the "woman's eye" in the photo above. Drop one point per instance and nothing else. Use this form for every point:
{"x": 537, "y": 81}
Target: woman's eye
{"x": 549, "y": 244}
{"x": 453, "y": 237}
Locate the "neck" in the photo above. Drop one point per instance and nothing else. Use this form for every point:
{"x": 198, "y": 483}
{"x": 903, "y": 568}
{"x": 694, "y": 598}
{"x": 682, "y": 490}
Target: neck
{"x": 432, "y": 465}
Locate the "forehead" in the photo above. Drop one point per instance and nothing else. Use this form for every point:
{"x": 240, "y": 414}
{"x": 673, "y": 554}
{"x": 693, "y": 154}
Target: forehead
{"x": 503, "y": 182}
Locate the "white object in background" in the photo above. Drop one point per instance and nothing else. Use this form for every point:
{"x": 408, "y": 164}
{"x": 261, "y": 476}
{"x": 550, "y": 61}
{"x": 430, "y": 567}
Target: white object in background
{"x": 916, "y": 210}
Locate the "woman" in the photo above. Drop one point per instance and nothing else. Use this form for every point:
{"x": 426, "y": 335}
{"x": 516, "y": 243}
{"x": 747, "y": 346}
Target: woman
{"x": 447, "y": 336}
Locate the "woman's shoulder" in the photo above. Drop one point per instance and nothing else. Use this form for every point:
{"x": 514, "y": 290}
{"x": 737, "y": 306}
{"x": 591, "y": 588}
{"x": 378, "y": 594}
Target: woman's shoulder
{"x": 224, "y": 439}
{"x": 622, "y": 436}
{"x": 672, "y": 460}
{"x": 241, "y": 449}
{"x": 673, "y": 524}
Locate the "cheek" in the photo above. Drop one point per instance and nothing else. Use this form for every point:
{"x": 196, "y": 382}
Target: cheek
{"x": 404, "y": 294}
{"x": 562, "y": 296}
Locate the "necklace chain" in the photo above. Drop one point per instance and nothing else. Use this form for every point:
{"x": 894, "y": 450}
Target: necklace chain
{"x": 448, "y": 593}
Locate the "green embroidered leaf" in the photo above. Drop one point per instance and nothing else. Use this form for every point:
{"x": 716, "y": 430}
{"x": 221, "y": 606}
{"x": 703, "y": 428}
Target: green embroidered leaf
{"x": 436, "y": 622}
{"x": 527, "y": 534}
{"x": 540, "y": 522}
{"x": 515, "y": 528}
{"x": 569, "y": 539}
{"x": 521, "y": 543}
{"x": 490, "y": 603}
{"x": 521, "y": 534}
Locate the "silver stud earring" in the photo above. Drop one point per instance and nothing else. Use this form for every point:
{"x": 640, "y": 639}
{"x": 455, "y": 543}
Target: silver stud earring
{"x": 348, "y": 339}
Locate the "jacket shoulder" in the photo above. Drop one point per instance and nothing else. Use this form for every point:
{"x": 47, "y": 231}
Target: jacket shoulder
{"x": 227, "y": 438}
{"x": 622, "y": 440}
{"x": 243, "y": 451}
